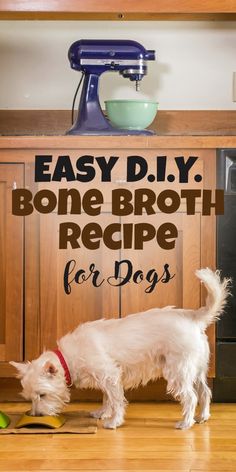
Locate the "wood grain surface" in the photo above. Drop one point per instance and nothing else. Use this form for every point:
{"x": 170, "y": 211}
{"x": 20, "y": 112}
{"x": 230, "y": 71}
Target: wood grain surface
{"x": 11, "y": 266}
{"x": 147, "y": 442}
{"x": 119, "y": 10}
{"x": 167, "y": 122}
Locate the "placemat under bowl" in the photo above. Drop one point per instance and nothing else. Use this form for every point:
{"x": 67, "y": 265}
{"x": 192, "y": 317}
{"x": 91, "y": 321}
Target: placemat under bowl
{"x": 77, "y": 422}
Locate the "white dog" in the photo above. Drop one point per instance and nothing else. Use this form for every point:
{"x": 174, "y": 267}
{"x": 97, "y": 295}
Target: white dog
{"x": 117, "y": 354}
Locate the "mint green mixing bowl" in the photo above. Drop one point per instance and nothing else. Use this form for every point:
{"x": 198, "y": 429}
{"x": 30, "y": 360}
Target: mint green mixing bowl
{"x": 131, "y": 114}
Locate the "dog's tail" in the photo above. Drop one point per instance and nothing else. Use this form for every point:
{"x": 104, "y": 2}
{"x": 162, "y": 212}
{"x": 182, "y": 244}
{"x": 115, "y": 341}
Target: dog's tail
{"x": 218, "y": 292}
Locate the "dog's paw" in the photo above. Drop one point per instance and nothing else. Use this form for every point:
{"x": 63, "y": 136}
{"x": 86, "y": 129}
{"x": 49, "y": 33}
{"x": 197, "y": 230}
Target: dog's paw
{"x": 109, "y": 424}
{"x": 201, "y": 418}
{"x": 113, "y": 423}
{"x": 96, "y": 414}
{"x": 184, "y": 424}
{"x": 100, "y": 414}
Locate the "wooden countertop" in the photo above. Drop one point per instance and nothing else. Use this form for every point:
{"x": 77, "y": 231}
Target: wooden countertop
{"x": 116, "y": 142}
{"x": 45, "y": 129}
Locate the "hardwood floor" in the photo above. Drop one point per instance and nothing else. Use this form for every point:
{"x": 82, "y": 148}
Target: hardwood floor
{"x": 147, "y": 442}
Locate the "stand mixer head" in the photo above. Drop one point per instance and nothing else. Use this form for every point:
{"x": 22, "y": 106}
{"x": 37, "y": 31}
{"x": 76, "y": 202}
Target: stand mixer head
{"x": 93, "y": 58}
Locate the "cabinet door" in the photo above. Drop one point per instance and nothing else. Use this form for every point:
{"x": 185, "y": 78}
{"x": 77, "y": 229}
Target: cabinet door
{"x": 183, "y": 290}
{"x": 11, "y": 266}
{"x": 61, "y": 312}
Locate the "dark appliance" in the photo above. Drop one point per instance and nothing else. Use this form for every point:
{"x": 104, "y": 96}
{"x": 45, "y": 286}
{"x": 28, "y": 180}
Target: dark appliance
{"x": 225, "y": 382}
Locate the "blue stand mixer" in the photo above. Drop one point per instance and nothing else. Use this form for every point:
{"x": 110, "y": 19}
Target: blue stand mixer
{"x": 93, "y": 58}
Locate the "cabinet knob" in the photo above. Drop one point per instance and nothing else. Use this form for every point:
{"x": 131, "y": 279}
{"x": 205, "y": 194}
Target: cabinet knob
{"x": 120, "y": 181}
{"x": 14, "y": 185}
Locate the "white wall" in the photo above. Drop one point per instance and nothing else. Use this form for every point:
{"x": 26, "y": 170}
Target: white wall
{"x": 195, "y": 62}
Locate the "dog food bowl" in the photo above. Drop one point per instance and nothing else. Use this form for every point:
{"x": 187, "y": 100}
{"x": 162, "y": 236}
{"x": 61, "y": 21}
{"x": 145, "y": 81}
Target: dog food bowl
{"x": 4, "y": 420}
{"x": 131, "y": 114}
{"x": 52, "y": 422}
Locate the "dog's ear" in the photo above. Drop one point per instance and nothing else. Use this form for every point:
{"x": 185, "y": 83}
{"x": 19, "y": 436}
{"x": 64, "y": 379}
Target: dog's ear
{"x": 50, "y": 369}
{"x": 21, "y": 368}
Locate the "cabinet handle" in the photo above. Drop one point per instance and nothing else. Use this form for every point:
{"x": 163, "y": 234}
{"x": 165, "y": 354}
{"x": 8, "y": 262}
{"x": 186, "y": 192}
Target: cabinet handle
{"x": 14, "y": 186}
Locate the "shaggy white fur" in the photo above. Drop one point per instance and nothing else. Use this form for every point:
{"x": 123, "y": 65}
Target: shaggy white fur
{"x": 117, "y": 354}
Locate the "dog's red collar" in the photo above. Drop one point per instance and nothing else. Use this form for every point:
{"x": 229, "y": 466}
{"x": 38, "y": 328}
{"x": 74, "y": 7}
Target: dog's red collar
{"x": 61, "y": 358}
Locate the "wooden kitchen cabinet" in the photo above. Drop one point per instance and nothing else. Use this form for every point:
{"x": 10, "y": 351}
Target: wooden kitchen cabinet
{"x": 11, "y": 267}
{"x": 49, "y": 312}
{"x": 61, "y": 312}
{"x": 183, "y": 290}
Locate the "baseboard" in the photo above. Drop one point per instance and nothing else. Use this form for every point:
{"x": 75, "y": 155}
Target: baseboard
{"x": 224, "y": 389}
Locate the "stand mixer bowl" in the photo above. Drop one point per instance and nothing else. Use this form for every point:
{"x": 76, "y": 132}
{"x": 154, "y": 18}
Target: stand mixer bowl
{"x": 131, "y": 114}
